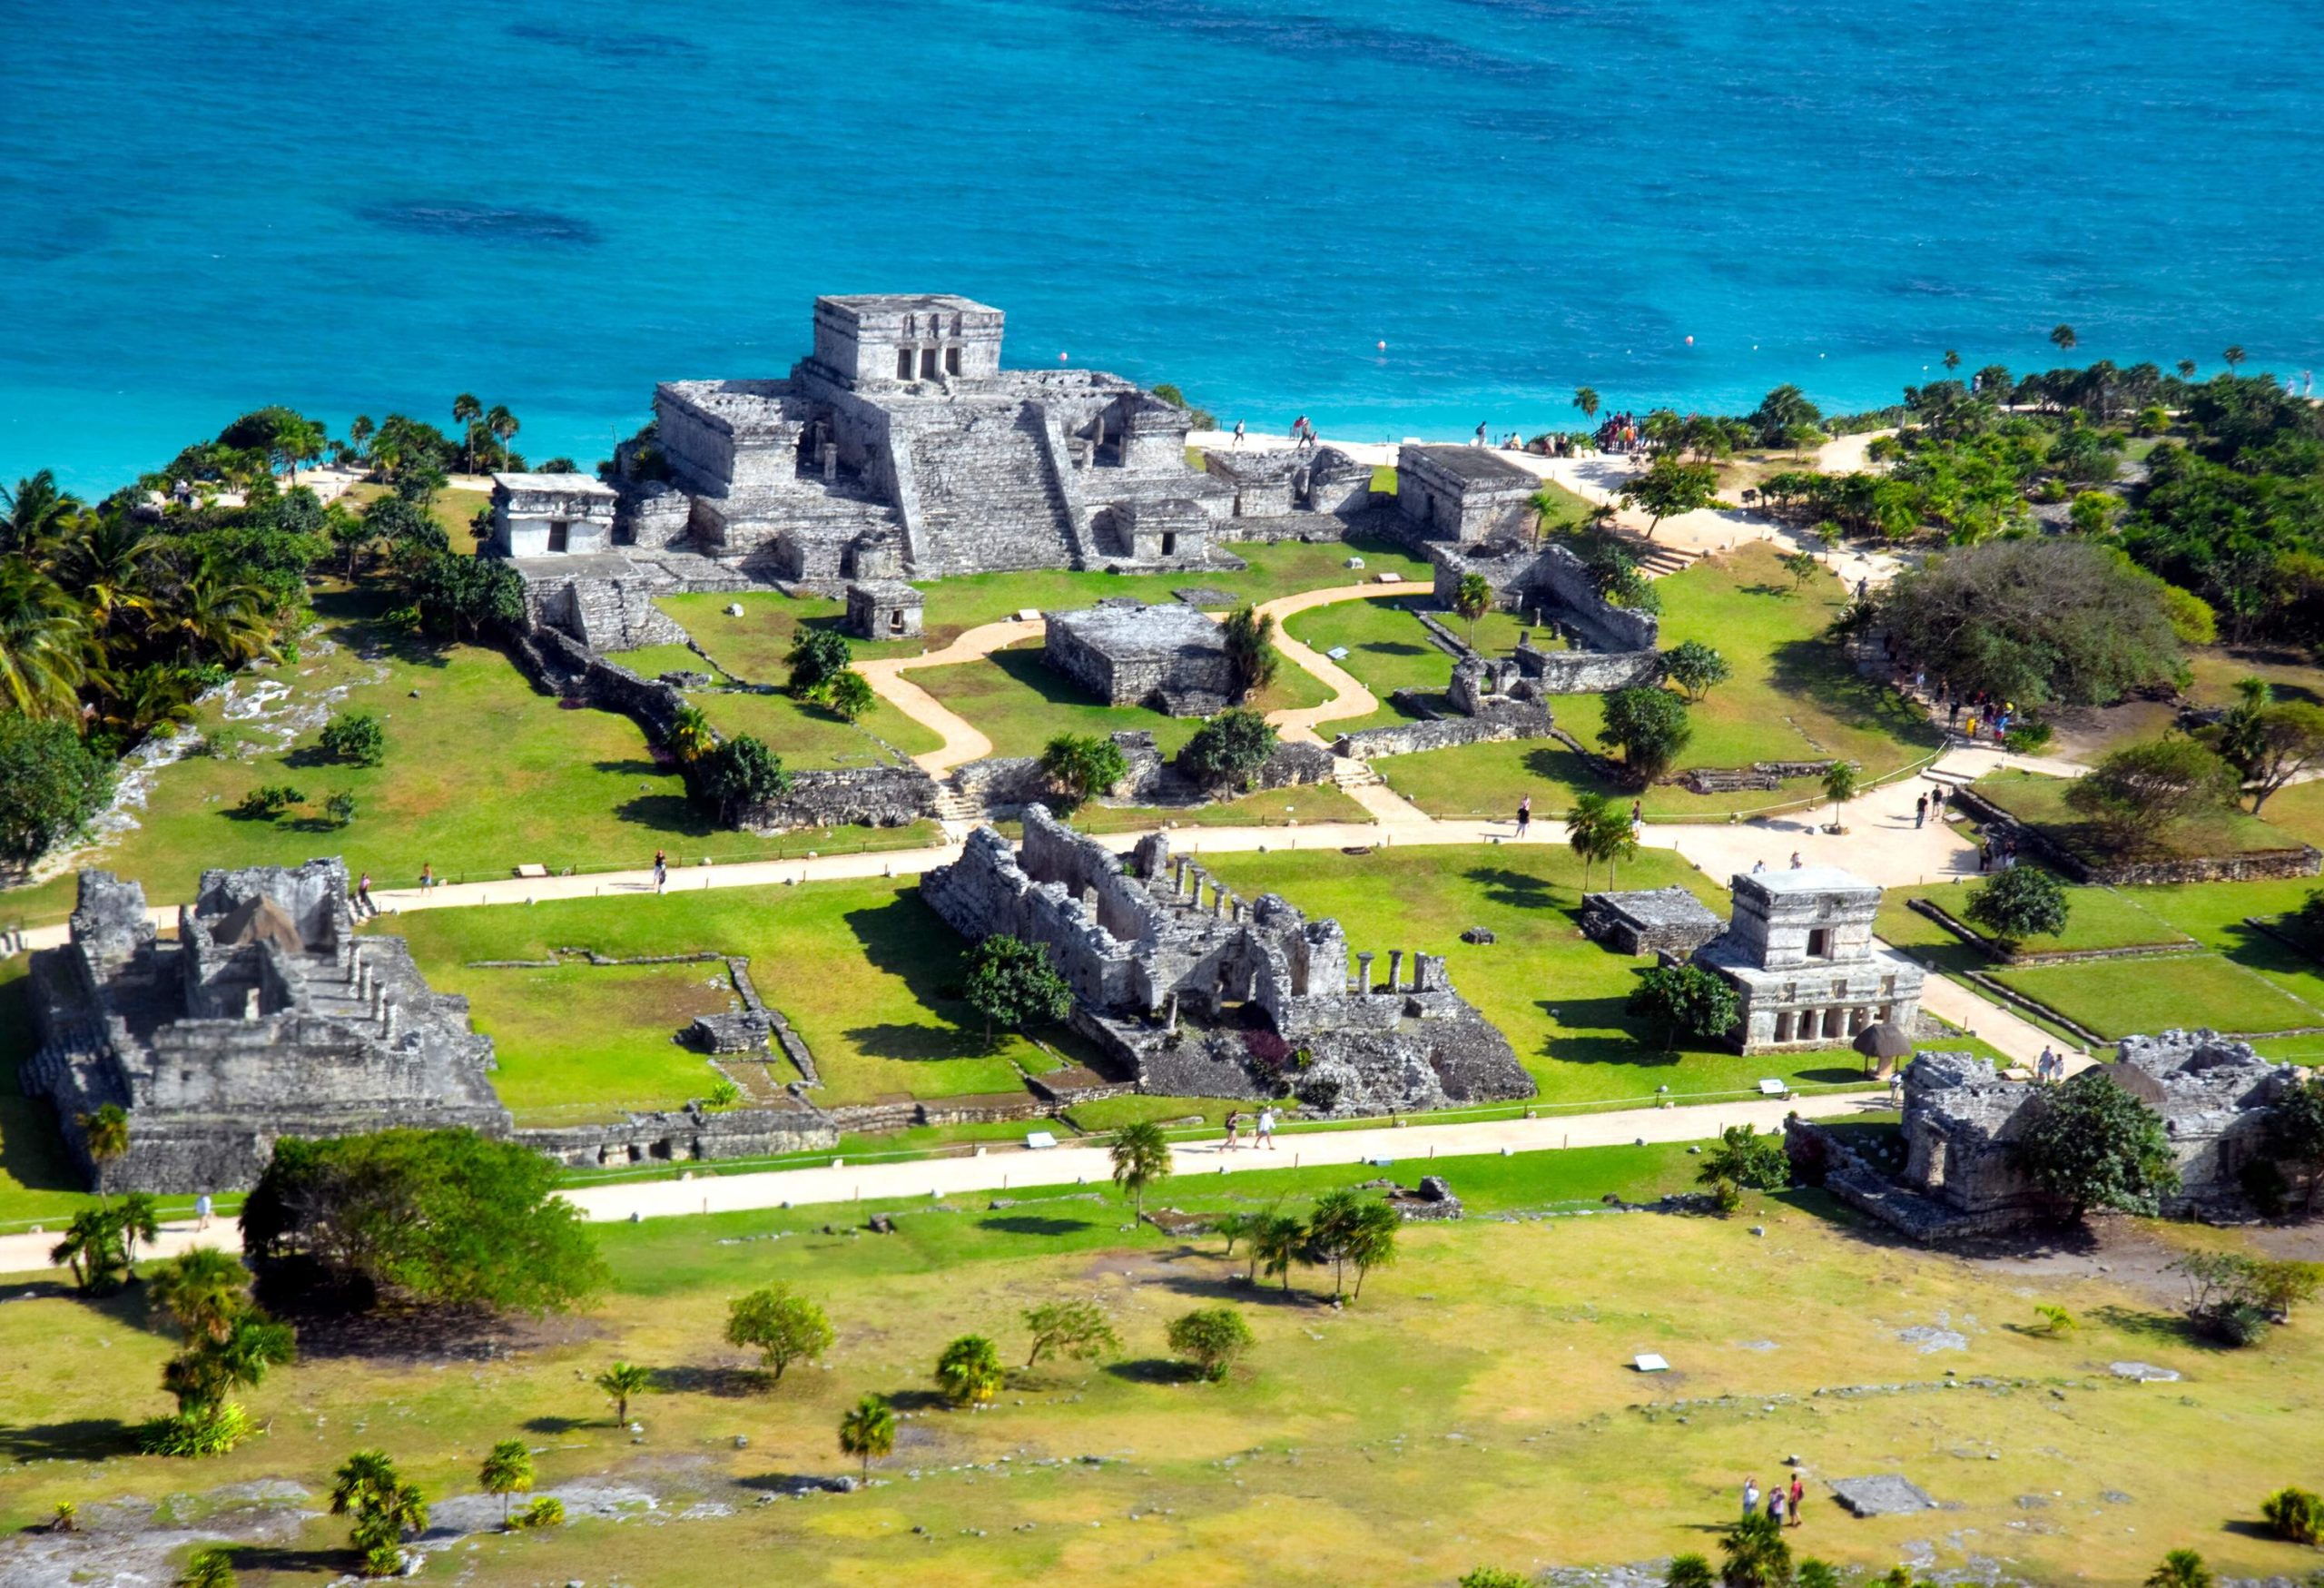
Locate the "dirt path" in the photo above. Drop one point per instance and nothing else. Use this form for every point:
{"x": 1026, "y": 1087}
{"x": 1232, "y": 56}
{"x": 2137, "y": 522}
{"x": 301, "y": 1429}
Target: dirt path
{"x": 963, "y": 742}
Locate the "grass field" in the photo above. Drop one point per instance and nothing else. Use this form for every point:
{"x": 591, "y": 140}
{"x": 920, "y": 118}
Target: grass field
{"x": 1389, "y": 650}
{"x": 2041, "y": 802}
{"x": 1021, "y": 703}
{"x": 1475, "y": 1406}
{"x": 810, "y": 738}
{"x": 2096, "y": 918}
{"x": 2121, "y": 998}
{"x": 864, "y": 970}
{"x": 1794, "y": 698}
{"x": 1306, "y": 804}
{"x": 1556, "y": 995}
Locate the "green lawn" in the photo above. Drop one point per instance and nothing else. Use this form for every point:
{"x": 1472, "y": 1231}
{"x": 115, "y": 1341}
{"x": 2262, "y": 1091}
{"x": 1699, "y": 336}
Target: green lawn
{"x": 1475, "y": 1405}
{"x": 2039, "y": 801}
{"x": 1389, "y": 650}
{"x": 1794, "y": 698}
{"x": 1021, "y": 703}
{"x": 2096, "y": 918}
{"x": 2120, "y": 998}
{"x": 865, "y": 972}
{"x": 1303, "y": 805}
{"x": 810, "y": 738}
{"x": 1556, "y": 995}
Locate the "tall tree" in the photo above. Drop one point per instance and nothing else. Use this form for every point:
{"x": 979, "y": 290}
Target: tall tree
{"x": 1250, "y": 650}
{"x": 1141, "y": 1157}
{"x": 1670, "y": 487}
{"x": 1012, "y": 984}
{"x": 466, "y": 411}
{"x": 1585, "y": 398}
{"x": 1952, "y": 361}
{"x": 507, "y": 1472}
{"x": 36, "y": 513}
{"x": 868, "y": 1431}
{"x": 503, "y": 426}
{"x": 43, "y": 641}
{"x": 783, "y": 1327}
{"x": 1473, "y": 598}
{"x": 2062, "y": 337}
{"x": 2091, "y": 1144}
{"x": 2232, "y": 357}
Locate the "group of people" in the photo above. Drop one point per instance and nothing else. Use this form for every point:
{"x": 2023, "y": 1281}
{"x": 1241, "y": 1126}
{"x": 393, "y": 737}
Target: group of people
{"x": 1929, "y": 807}
{"x": 1619, "y": 432}
{"x": 1984, "y": 714}
{"x": 1782, "y": 1503}
{"x": 2002, "y": 856}
{"x": 2051, "y": 1068}
{"x": 1262, "y": 1135}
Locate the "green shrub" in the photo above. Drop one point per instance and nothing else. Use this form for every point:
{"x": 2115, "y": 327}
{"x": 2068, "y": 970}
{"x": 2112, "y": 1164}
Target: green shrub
{"x": 2027, "y": 738}
{"x": 549, "y": 1511}
{"x": 269, "y": 800}
{"x": 211, "y": 1430}
{"x": 356, "y": 736}
{"x": 1211, "y": 1337}
{"x": 2297, "y": 1515}
{"x": 340, "y": 808}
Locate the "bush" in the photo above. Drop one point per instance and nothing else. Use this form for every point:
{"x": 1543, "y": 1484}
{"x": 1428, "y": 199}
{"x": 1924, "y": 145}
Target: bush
{"x": 2139, "y": 792}
{"x": 817, "y": 655}
{"x": 741, "y": 773}
{"x": 724, "y": 1094}
{"x": 356, "y": 736}
{"x": 1083, "y": 766}
{"x": 211, "y": 1430}
{"x": 2295, "y": 1516}
{"x": 1211, "y": 1337}
{"x": 783, "y": 1328}
{"x": 1686, "y": 999}
{"x": 1012, "y": 984}
{"x": 2091, "y": 1144}
{"x": 1648, "y": 725}
{"x": 2027, "y": 738}
{"x": 1229, "y": 748}
{"x": 1696, "y": 668}
{"x": 549, "y": 1511}
{"x": 969, "y": 1371}
{"x": 50, "y": 784}
{"x": 340, "y": 808}
{"x": 2019, "y": 904}
{"x": 269, "y": 800}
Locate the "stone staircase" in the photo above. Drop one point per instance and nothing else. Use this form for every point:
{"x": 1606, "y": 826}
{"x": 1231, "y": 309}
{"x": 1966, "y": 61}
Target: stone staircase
{"x": 1353, "y": 771}
{"x": 1656, "y": 560}
{"x": 952, "y": 806}
{"x": 987, "y": 497}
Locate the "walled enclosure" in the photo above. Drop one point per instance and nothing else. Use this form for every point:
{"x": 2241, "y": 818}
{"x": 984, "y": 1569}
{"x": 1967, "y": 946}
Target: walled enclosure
{"x": 1199, "y": 993}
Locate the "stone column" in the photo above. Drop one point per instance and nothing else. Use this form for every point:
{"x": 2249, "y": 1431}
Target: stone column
{"x": 1173, "y": 1025}
{"x": 1421, "y": 968}
{"x": 1235, "y": 910}
{"x": 1218, "y": 901}
{"x": 1396, "y": 969}
{"x": 1364, "y": 973}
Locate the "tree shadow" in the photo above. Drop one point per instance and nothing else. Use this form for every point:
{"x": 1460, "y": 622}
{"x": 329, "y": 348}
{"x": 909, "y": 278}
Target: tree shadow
{"x": 554, "y": 1426}
{"x": 1030, "y": 1223}
{"x": 2161, "y": 1329}
{"x": 631, "y": 766}
{"x": 671, "y": 813}
{"x": 252, "y": 1558}
{"x": 1519, "y": 889}
{"x": 82, "y": 1439}
{"x": 1820, "y": 671}
{"x": 1027, "y": 668}
{"x": 728, "y": 1383}
{"x": 1606, "y": 1032}
{"x": 920, "y": 1400}
{"x": 1154, "y": 1370}
{"x": 907, "y": 940}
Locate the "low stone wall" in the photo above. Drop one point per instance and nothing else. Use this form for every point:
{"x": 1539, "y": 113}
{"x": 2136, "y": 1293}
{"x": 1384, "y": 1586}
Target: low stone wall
{"x": 694, "y": 1135}
{"x": 1445, "y": 732}
{"x": 1762, "y": 775}
{"x": 1001, "y": 783}
{"x": 1584, "y": 671}
{"x": 2258, "y": 865}
{"x": 872, "y": 1118}
{"x": 860, "y": 797}
{"x": 557, "y": 664}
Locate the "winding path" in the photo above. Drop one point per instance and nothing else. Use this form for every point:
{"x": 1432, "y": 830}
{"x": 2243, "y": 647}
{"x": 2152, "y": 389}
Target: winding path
{"x": 962, "y": 740}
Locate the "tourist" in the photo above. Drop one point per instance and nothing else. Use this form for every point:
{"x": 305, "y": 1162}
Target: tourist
{"x": 202, "y": 1211}
{"x": 1266, "y": 1128}
{"x": 2009, "y": 853}
{"x": 1952, "y": 714}
{"x": 1775, "y": 1504}
{"x": 1238, "y": 433}
{"x": 1750, "y": 1496}
{"x": 1798, "y": 1493}
{"x": 1481, "y": 434}
{"x": 1936, "y": 802}
{"x": 1971, "y": 727}
{"x": 1637, "y": 821}
{"x": 661, "y": 870}
{"x": 1797, "y": 864}
{"x": 1234, "y": 1130}
{"x": 1524, "y": 814}
{"x": 2044, "y": 1064}
{"x": 1984, "y": 856}
{"x": 363, "y": 905}
{"x": 1757, "y": 866}
{"x": 427, "y": 876}
{"x": 1920, "y": 811}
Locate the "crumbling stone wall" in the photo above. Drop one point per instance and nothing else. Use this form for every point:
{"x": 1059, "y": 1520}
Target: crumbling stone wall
{"x": 853, "y": 796}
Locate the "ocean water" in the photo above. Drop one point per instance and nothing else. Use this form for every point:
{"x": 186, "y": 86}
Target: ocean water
{"x": 555, "y": 204}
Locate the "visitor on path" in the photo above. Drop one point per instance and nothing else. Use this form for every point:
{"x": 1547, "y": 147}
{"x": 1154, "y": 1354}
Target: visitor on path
{"x": 1637, "y": 821}
{"x": 427, "y": 876}
{"x": 1238, "y": 433}
{"x": 1234, "y": 1130}
{"x": 1524, "y": 814}
{"x": 1920, "y": 812}
{"x": 1266, "y": 1128}
{"x": 1480, "y": 438}
{"x": 1775, "y": 1504}
{"x": 1797, "y": 864}
{"x": 2009, "y": 853}
{"x": 202, "y": 1211}
{"x": 1798, "y": 1493}
{"x": 1750, "y": 1496}
{"x": 1757, "y": 866}
{"x": 363, "y": 905}
{"x": 1301, "y": 437}
{"x": 661, "y": 870}
{"x": 1984, "y": 856}
{"x": 2044, "y": 1064}
{"x": 1936, "y": 802}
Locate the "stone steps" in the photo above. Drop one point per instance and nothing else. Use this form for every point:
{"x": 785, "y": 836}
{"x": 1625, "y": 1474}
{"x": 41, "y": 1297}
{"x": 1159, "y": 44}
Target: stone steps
{"x": 987, "y": 500}
{"x": 1353, "y": 771}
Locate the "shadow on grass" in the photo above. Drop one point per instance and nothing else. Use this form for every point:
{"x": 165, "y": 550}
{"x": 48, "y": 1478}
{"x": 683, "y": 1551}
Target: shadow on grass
{"x": 1520, "y": 890}
{"x": 1554, "y": 763}
{"x": 1607, "y": 1034}
{"x": 1030, "y": 1224}
{"x": 1154, "y": 1370}
{"x": 82, "y": 1439}
{"x": 906, "y": 939}
{"x": 672, "y": 814}
{"x": 723, "y": 1383}
{"x": 250, "y": 1558}
{"x": 554, "y": 1426}
{"x": 1818, "y": 670}
{"x": 2161, "y": 1329}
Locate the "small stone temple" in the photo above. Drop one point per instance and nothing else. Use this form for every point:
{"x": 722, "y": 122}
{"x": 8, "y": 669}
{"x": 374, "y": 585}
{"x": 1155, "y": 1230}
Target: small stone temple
{"x": 1466, "y": 495}
{"x": 551, "y": 515}
{"x": 1798, "y": 949}
{"x": 881, "y": 609}
{"x": 1963, "y": 1119}
{"x": 1649, "y": 920}
{"x": 1168, "y": 655}
{"x": 1197, "y": 992}
{"x": 267, "y": 1017}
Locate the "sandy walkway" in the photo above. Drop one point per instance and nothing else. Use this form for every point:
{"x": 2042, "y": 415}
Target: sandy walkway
{"x": 962, "y": 742}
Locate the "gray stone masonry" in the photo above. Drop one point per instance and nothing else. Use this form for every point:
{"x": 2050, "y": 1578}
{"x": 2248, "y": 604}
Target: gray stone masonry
{"x": 551, "y": 515}
{"x": 1798, "y": 951}
{"x": 1548, "y": 584}
{"x": 1261, "y": 481}
{"x": 269, "y": 1016}
{"x": 1462, "y": 494}
{"x": 1199, "y": 993}
{"x": 882, "y": 609}
{"x": 694, "y": 1134}
{"x": 1653, "y": 921}
{"x": 605, "y": 601}
{"x": 1124, "y": 652}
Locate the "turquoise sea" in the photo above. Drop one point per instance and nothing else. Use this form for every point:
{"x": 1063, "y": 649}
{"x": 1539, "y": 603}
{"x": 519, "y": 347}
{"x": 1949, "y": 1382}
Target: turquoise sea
{"x": 374, "y": 205}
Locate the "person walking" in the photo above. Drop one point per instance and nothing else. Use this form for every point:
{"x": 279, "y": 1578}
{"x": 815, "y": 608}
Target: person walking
{"x": 1798, "y": 1493}
{"x": 1984, "y": 856}
{"x": 2042, "y": 1065}
{"x": 1238, "y": 434}
{"x": 1920, "y": 811}
{"x": 202, "y": 1211}
{"x": 1234, "y": 1130}
{"x": 1524, "y": 814}
{"x": 427, "y": 876}
{"x": 661, "y": 870}
{"x": 1750, "y": 1496}
{"x": 1797, "y": 864}
{"x": 1637, "y": 821}
{"x": 1936, "y": 802}
{"x": 363, "y": 905}
{"x": 1266, "y": 1128}
{"x": 1480, "y": 440}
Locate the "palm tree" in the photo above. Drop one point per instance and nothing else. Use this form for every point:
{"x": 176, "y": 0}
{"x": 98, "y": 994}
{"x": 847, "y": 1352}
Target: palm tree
{"x": 868, "y": 1432}
{"x": 360, "y": 431}
{"x": 1276, "y": 1245}
{"x": 226, "y": 616}
{"x": 2181, "y": 1568}
{"x": 1141, "y": 1155}
{"x": 1473, "y": 598}
{"x": 144, "y": 698}
{"x": 105, "y": 1137}
{"x": 106, "y": 567}
{"x": 503, "y": 425}
{"x": 2186, "y": 369}
{"x": 203, "y": 1375}
{"x": 203, "y": 1290}
{"x": 620, "y": 1381}
{"x": 1593, "y": 816}
{"x": 1952, "y": 361}
{"x": 296, "y": 440}
{"x": 1585, "y": 398}
{"x": 1756, "y": 1554}
{"x": 43, "y": 639}
{"x": 139, "y": 1220}
{"x": 92, "y": 1249}
{"x": 2233, "y": 356}
{"x": 466, "y": 410}
{"x": 691, "y": 734}
{"x": 2062, "y": 335}
{"x": 384, "y": 1507}
{"x": 212, "y": 1567}
{"x": 506, "y": 1471}
{"x": 37, "y": 512}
